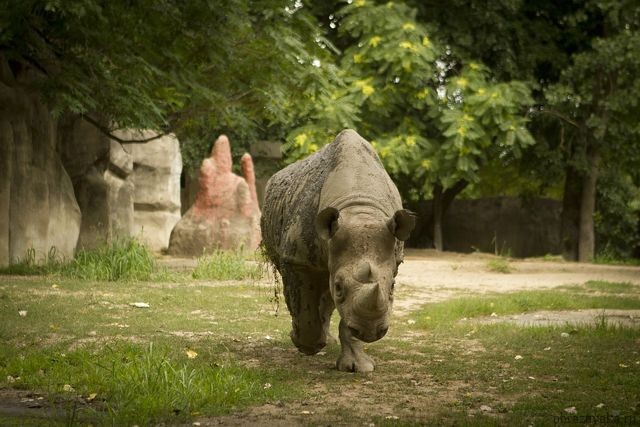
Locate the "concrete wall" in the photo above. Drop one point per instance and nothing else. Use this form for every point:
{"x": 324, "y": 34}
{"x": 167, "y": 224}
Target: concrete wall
{"x": 502, "y": 225}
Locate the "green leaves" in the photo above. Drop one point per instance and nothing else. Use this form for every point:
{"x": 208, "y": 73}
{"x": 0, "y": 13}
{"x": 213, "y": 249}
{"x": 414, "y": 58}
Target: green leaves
{"x": 431, "y": 116}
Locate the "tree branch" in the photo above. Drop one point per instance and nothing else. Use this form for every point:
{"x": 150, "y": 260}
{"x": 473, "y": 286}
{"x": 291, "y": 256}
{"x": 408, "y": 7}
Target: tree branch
{"x": 560, "y": 116}
{"x": 108, "y": 133}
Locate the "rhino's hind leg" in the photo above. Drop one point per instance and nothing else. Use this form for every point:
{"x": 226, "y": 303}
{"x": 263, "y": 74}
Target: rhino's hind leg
{"x": 352, "y": 358}
{"x": 310, "y": 304}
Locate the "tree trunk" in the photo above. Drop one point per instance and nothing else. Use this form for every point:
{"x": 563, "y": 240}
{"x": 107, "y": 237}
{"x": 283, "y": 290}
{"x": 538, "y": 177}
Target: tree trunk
{"x": 442, "y": 200}
{"x": 586, "y": 240}
{"x": 570, "y": 217}
{"x": 437, "y": 217}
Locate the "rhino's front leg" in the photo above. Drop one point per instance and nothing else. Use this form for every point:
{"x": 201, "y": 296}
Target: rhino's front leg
{"x": 352, "y": 358}
{"x": 310, "y": 304}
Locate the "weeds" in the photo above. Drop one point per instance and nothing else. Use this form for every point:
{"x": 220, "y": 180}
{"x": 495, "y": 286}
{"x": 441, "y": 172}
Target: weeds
{"x": 499, "y": 265}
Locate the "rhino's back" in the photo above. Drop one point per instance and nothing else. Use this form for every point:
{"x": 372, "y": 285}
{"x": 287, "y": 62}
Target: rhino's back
{"x": 290, "y": 208}
{"x": 346, "y": 171}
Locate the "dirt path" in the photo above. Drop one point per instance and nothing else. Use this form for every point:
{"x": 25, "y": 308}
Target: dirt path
{"x": 428, "y": 276}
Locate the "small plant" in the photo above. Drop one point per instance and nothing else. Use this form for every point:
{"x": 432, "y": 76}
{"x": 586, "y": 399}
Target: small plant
{"x": 226, "y": 265}
{"x": 499, "y": 265}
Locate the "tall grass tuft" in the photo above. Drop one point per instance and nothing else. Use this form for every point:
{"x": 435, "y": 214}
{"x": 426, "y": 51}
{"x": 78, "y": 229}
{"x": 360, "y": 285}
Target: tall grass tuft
{"x": 123, "y": 259}
{"x": 227, "y": 265}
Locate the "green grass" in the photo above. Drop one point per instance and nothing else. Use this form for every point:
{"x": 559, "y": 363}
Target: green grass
{"x": 87, "y": 335}
{"x": 129, "y": 260}
{"x": 609, "y": 258}
{"x": 29, "y": 265}
{"x": 145, "y": 383}
{"x": 445, "y": 313}
{"x": 609, "y": 287}
{"x": 121, "y": 260}
{"x": 227, "y": 265}
{"x": 438, "y": 370}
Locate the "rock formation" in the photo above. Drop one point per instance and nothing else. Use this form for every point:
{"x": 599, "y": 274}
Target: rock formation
{"x": 225, "y": 213}
{"x": 101, "y": 173}
{"x": 157, "y": 165}
{"x": 38, "y": 209}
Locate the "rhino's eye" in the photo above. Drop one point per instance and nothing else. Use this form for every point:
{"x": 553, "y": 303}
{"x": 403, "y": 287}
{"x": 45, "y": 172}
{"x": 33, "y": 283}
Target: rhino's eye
{"x": 338, "y": 291}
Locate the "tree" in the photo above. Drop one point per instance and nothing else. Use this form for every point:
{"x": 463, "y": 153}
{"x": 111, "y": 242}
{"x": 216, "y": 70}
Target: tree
{"x": 435, "y": 117}
{"x": 195, "y": 68}
{"x": 580, "y": 58}
{"x": 596, "y": 99}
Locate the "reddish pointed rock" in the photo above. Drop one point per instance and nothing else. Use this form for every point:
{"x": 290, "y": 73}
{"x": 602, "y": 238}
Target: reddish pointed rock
{"x": 225, "y": 213}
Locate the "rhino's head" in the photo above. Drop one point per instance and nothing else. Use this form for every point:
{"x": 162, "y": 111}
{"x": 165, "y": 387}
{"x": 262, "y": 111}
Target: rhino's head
{"x": 363, "y": 266}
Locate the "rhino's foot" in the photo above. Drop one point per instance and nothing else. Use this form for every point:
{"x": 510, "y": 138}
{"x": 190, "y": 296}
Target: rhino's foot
{"x": 353, "y": 357}
{"x": 308, "y": 347}
{"x": 354, "y": 362}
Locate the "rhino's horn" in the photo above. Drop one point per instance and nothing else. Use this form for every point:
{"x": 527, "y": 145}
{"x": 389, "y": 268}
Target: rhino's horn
{"x": 372, "y": 299}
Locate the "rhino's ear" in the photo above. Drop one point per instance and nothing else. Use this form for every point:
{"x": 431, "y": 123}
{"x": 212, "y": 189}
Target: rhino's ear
{"x": 327, "y": 223}
{"x": 402, "y": 223}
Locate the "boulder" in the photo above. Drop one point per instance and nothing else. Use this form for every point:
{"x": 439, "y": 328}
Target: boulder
{"x": 38, "y": 209}
{"x": 157, "y": 166}
{"x": 225, "y": 213}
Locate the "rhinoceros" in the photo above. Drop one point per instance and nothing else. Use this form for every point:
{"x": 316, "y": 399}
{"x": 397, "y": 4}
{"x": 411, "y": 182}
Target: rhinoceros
{"x": 334, "y": 227}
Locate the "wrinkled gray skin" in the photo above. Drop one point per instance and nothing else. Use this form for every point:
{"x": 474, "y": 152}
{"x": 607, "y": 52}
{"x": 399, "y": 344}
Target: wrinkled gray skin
{"x": 333, "y": 225}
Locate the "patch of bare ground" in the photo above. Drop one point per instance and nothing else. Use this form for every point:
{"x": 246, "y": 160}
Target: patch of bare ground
{"x": 401, "y": 389}
{"x": 592, "y": 317}
{"x": 430, "y": 276}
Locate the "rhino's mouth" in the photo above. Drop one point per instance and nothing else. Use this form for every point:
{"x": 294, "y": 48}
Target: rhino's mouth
{"x": 370, "y": 335}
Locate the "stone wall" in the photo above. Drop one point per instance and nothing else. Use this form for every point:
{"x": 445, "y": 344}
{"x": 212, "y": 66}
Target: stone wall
{"x": 157, "y": 166}
{"x": 502, "y": 225}
{"x": 38, "y": 209}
